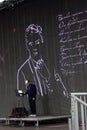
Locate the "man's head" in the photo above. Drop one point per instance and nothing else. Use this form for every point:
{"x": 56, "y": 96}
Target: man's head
{"x": 27, "y": 82}
{"x": 33, "y": 38}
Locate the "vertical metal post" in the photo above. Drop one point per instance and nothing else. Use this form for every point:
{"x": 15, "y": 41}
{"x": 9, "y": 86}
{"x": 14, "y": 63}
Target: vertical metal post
{"x": 69, "y": 123}
{"x": 76, "y": 116}
{"x": 82, "y": 117}
{"x": 73, "y": 112}
{"x": 85, "y": 109}
{"x": 37, "y": 124}
{"x": 7, "y": 122}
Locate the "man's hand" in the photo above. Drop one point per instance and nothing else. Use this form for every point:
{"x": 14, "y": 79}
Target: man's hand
{"x": 33, "y": 98}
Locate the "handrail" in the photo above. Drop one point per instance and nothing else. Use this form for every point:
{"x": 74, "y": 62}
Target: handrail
{"x": 80, "y": 101}
{"x": 78, "y": 111}
{"x": 79, "y": 94}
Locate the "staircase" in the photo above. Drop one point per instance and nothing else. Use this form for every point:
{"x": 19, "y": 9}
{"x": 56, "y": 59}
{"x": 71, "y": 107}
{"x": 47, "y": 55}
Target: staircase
{"x": 78, "y": 120}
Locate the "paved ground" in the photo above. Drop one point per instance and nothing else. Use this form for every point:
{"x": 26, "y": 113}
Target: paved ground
{"x": 57, "y": 126}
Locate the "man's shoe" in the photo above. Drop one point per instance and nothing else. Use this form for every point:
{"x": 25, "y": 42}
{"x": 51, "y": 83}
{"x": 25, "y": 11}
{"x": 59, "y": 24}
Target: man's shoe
{"x": 32, "y": 115}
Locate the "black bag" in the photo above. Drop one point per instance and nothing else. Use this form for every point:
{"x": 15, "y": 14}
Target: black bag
{"x": 19, "y": 112}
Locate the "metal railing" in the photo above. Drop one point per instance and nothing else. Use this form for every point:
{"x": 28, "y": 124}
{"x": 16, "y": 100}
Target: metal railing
{"x": 78, "y": 111}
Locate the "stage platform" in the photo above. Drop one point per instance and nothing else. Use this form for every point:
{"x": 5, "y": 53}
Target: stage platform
{"x": 36, "y": 119}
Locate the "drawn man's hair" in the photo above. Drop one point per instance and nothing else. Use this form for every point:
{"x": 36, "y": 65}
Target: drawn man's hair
{"x": 32, "y": 28}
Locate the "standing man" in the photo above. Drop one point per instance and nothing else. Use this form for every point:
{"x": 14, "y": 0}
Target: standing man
{"x": 32, "y": 92}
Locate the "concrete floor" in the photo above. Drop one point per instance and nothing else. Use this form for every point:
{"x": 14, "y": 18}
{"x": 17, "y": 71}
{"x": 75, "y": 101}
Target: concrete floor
{"x": 57, "y": 126}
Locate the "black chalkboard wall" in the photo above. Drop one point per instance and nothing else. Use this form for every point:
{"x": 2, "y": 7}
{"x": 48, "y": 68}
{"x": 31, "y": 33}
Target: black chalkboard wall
{"x": 56, "y": 61}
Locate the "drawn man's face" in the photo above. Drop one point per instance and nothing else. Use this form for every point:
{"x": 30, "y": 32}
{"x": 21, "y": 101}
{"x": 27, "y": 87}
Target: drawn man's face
{"x": 34, "y": 41}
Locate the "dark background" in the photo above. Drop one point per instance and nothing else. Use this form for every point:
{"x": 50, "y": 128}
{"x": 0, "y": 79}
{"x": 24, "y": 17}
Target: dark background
{"x": 13, "y": 22}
